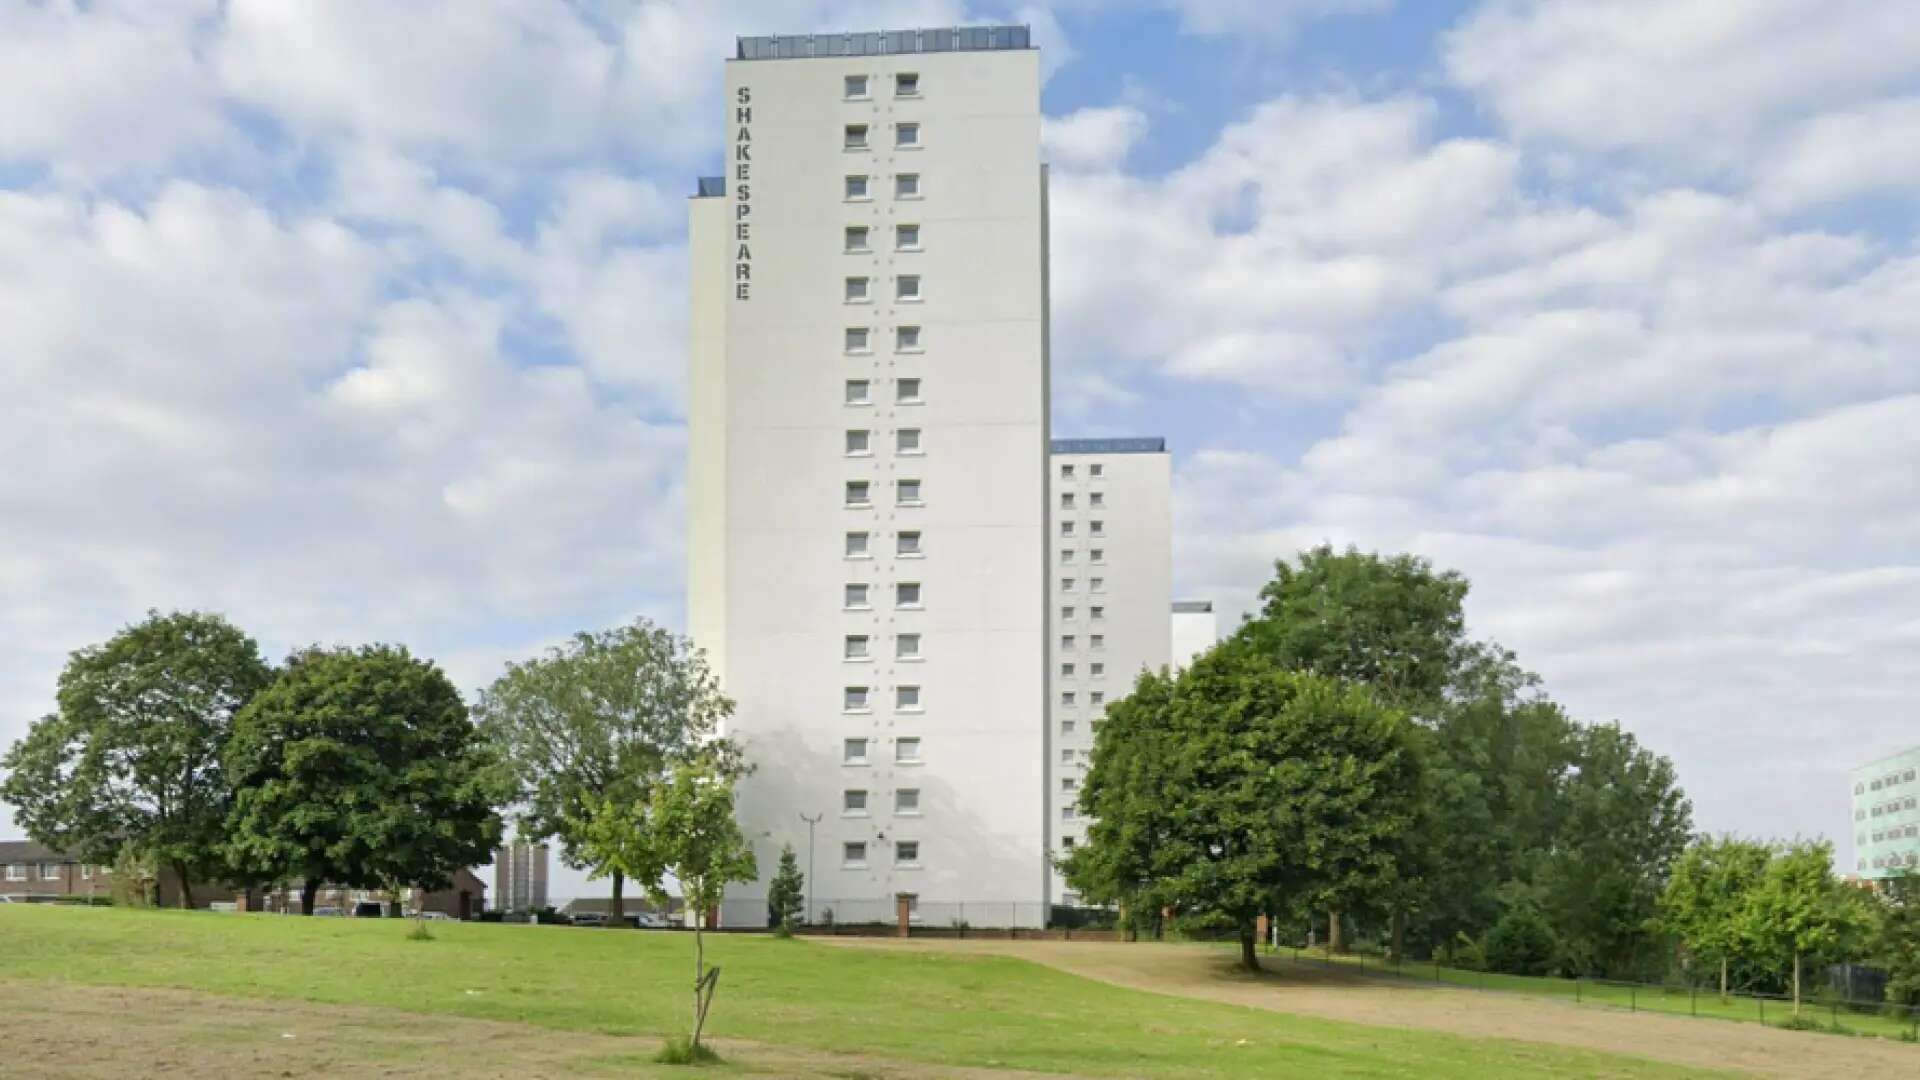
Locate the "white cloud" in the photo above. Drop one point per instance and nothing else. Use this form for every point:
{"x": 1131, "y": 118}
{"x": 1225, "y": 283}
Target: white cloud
{"x": 1693, "y": 80}
{"x": 1870, "y": 150}
{"x": 1093, "y": 138}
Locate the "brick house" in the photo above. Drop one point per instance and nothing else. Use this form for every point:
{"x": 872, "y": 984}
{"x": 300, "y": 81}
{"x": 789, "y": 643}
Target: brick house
{"x": 464, "y": 898}
{"x": 35, "y": 871}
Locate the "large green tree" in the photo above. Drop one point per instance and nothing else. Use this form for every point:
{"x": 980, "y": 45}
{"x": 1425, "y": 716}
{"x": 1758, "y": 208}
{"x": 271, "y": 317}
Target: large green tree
{"x": 601, "y": 719}
{"x": 1800, "y": 914}
{"x": 1237, "y": 788}
{"x": 1707, "y": 895}
{"x": 133, "y": 757}
{"x": 361, "y": 767}
{"x": 1623, "y": 822}
{"x": 1391, "y": 623}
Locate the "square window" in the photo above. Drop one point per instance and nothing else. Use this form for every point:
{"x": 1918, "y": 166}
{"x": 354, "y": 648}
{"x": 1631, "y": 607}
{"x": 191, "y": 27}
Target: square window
{"x": 906, "y": 853}
{"x": 1097, "y": 698}
{"x": 907, "y": 287}
{"x": 1066, "y": 500}
{"x": 856, "y": 137}
{"x": 857, "y": 595}
{"x": 853, "y": 801}
{"x": 1097, "y": 641}
{"x": 1098, "y": 584}
{"x": 906, "y": 801}
{"x": 1066, "y": 671}
{"x": 1066, "y": 844}
{"x": 1066, "y": 727}
{"x": 1097, "y": 612}
{"x": 1067, "y": 698}
{"x": 1069, "y": 812}
{"x": 1066, "y": 584}
{"x": 906, "y": 186}
{"x": 1097, "y": 670}
{"x": 853, "y": 854}
{"x": 908, "y": 492}
{"x": 1066, "y": 757}
{"x": 1066, "y": 472}
{"x": 856, "y": 648}
{"x": 859, "y": 442}
{"x": 1097, "y": 499}
{"x": 859, "y": 392}
{"x": 1066, "y": 555}
{"x": 856, "y": 699}
{"x": 857, "y": 545}
{"x": 856, "y": 86}
{"x": 907, "y": 750}
{"x": 1067, "y": 642}
{"x": 907, "y": 647}
{"x": 904, "y": 135}
{"x": 857, "y": 339}
{"x": 906, "y": 698}
{"x": 907, "y": 391}
{"x": 1066, "y": 528}
{"x": 858, "y": 238}
{"x": 906, "y": 441}
{"x": 1067, "y": 613}
{"x": 906, "y": 84}
{"x": 1098, "y": 555}
{"x": 853, "y": 752}
{"x": 907, "y": 543}
{"x": 906, "y": 594}
{"x": 906, "y": 237}
{"x": 1068, "y": 783}
{"x": 1096, "y": 528}
{"x": 856, "y": 189}
{"x": 907, "y": 339}
{"x": 857, "y": 290}
{"x": 1096, "y": 471}
{"x": 859, "y": 493}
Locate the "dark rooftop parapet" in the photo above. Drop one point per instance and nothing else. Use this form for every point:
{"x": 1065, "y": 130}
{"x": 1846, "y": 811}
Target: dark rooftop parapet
{"x": 884, "y": 42}
{"x": 1154, "y": 445}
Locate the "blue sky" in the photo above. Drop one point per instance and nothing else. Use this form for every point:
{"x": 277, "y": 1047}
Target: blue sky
{"x": 362, "y": 321}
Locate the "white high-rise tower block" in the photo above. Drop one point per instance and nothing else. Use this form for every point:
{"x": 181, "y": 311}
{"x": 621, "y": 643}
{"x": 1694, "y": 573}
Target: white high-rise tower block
{"x": 867, "y": 482}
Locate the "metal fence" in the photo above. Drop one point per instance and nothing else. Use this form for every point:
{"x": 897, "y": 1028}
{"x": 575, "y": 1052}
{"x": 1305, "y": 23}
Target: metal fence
{"x": 1821, "y": 1009}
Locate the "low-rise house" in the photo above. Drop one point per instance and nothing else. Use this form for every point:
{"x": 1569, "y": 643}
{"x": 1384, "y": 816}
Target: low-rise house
{"x": 30, "y": 871}
{"x": 463, "y": 898}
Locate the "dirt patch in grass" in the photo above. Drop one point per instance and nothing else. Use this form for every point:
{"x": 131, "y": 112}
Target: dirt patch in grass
{"x": 71, "y": 1031}
{"x": 1211, "y": 974}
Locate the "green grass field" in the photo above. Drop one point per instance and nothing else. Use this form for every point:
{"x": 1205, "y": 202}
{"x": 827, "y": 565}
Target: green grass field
{"x": 909, "y": 1006}
{"x": 1773, "y": 1011}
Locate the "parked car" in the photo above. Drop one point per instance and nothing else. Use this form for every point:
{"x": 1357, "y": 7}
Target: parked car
{"x": 650, "y": 920}
{"x": 369, "y": 909}
{"x": 433, "y": 916}
{"x": 327, "y": 911}
{"x": 5, "y": 899}
{"x": 590, "y": 918}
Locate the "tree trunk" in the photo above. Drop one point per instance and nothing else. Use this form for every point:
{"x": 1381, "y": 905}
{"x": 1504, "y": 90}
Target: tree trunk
{"x": 1723, "y": 980}
{"x": 1336, "y": 940}
{"x": 1796, "y": 982}
{"x": 309, "y": 892}
{"x": 186, "y": 886}
{"x": 617, "y": 913}
{"x": 1249, "y": 959}
{"x": 699, "y": 977}
{"x": 1398, "y": 939}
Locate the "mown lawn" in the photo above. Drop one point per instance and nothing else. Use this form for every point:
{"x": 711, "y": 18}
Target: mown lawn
{"x": 936, "y": 1009}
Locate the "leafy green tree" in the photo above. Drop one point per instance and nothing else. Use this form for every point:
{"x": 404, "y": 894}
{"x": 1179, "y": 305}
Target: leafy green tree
{"x": 1707, "y": 896}
{"x": 597, "y": 720}
{"x": 786, "y": 893}
{"x": 361, "y": 767}
{"x": 1896, "y": 937}
{"x": 1799, "y": 913}
{"x": 1390, "y": 623}
{"x": 1237, "y": 788}
{"x": 686, "y": 828}
{"x": 1522, "y": 942}
{"x": 1624, "y": 820}
{"x": 134, "y": 754}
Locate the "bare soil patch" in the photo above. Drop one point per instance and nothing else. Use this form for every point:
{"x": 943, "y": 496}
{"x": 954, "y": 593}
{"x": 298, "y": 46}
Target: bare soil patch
{"x": 71, "y": 1031}
{"x": 1211, "y": 974}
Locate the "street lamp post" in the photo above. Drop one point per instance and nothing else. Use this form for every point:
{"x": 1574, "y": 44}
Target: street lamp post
{"x": 811, "y": 822}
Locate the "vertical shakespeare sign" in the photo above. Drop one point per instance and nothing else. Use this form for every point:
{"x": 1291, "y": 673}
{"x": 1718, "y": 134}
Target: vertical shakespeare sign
{"x": 743, "y": 194}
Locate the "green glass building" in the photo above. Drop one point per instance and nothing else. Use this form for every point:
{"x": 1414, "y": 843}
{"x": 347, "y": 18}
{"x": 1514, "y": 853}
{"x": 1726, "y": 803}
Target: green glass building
{"x": 1886, "y": 816}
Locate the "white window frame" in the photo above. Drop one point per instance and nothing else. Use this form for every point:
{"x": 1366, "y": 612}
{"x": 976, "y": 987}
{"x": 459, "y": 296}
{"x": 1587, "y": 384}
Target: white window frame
{"x": 849, "y": 703}
{"x": 902, "y": 653}
{"x": 848, "y": 796}
{"x": 859, "y": 442}
{"x": 907, "y": 441}
{"x": 865, "y": 390}
{"x": 864, "y": 182}
{"x": 901, "y": 696}
{"x": 920, "y": 597}
{"x": 900, "y": 806}
{"x": 858, "y": 648}
{"x": 900, "y": 233}
{"x": 848, "y": 757}
{"x": 859, "y": 494}
{"x": 853, "y": 855}
{"x": 863, "y": 335}
{"x": 857, "y": 138}
{"x": 865, "y": 603}
{"x": 907, "y": 339}
{"x": 906, "y": 289}
{"x": 858, "y": 239}
{"x": 859, "y": 545}
{"x": 900, "y": 492}
{"x": 16, "y": 871}
{"x": 906, "y": 135}
{"x": 906, "y": 544}
{"x": 914, "y": 91}
{"x": 900, "y": 746}
{"x": 865, "y": 92}
{"x": 857, "y": 289}
{"x": 900, "y": 396}
{"x": 900, "y": 182}
{"x": 900, "y": 857}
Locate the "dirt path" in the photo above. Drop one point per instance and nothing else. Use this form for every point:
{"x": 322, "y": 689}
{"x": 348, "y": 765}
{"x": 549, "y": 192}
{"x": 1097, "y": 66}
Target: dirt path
{"x": 65, "y": 1030}
{"x": 1210, "y": 974}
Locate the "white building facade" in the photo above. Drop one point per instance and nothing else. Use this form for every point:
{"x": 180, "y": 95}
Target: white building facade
{"x": 1195, "y": 630}
{"x": 868, "y": 489}
{"x": 1112, "y": 555}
